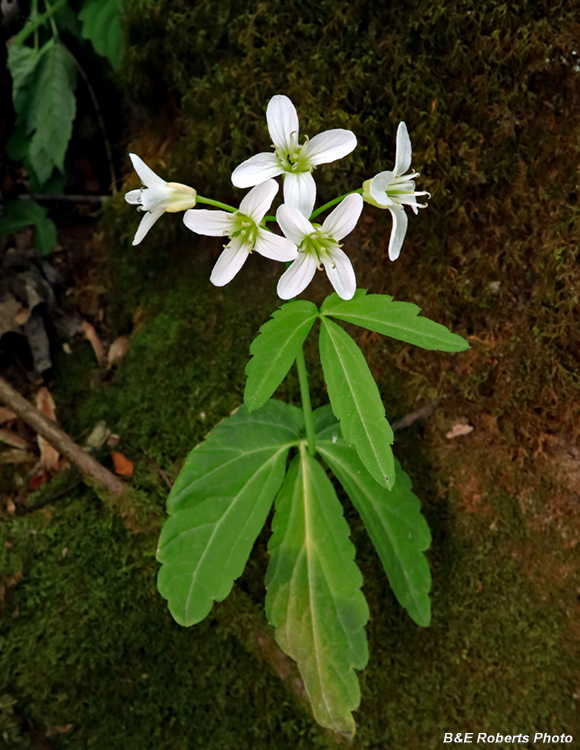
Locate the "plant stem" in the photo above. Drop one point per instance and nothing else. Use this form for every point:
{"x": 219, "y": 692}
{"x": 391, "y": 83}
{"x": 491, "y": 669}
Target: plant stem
{"x": 32, "y": 25}
{"x": 33, "y": 17}
{"x": 306, "y": 406}
{"x": 51, "y": 19}
{"x": 333, "y": 203}
{"x": 217, "y": 204}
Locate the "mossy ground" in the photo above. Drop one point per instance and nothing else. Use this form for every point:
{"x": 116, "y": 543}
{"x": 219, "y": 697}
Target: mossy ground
{"x": 490, "y": 97}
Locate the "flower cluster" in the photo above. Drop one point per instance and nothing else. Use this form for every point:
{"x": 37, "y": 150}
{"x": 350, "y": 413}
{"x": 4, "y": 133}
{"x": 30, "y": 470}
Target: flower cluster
{"x": 308, "y": 245}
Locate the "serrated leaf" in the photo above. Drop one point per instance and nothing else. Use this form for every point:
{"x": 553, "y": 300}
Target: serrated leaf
{"x": 393, "y": 520}
{"x": 313, "y": 593}
{"x": 379, "y": 313}
{"x": 21, "y": 214}
{"x": 356, "y": 401}
{"x": 22, "y": 61}
{"x": 275, "y": 349}
{"x": 51, "y": 110}
{"x": 101, "y": 21}
{"x": 219, "y": 504}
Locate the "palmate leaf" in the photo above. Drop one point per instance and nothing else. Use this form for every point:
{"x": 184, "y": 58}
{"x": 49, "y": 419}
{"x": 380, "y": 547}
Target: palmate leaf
{"x": 313, "y": 593}
{"x": 219, "y": 504}
{"x": 393, "y": 519}
{"x": 356, "y": 401}
{"x": 379, "y": 313}
{"x": 101, "y": 21}
{"x": 275, "y": 350}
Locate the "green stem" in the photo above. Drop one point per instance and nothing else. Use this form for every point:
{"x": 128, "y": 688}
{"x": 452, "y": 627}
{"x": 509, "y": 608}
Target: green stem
{"x": 333, "y": 203}
{"x": 32, "y": 25}
{"x": 306, "y": 406}
{"x": 33, "y": 16}
{"x": 217, "y": 204}
{"x": 51, "y": 19}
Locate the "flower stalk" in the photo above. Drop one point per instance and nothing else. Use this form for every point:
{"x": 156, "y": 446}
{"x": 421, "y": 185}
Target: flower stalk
{"x": 306, "y": 405}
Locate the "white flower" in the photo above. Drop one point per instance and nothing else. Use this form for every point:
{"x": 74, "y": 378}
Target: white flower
{"x": 393, "y": 190}
{"x": 157, "y": 197}
{"x": 318, "y": 246}
{"x": 290, "y": 159}
{"x": 244, "y": 230}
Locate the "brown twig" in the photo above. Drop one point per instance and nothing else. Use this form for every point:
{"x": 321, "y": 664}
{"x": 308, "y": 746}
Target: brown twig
{"x": 408, "y": 419}
{"x": 59, "y": 439}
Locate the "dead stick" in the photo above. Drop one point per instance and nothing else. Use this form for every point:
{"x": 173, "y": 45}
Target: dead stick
{"x": 59, "y": 439}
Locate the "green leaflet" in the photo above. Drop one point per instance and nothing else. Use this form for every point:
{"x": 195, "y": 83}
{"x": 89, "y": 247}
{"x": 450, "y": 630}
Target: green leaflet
{"x": 275, "y": 350}
{"x": 20, "y": 214}
{"x": 219, "y": 504}
{"x": 379, "y": 313}
{"x": 101, "y": 21}
{"x": 393, "y": 519}
{"x": 313, "y": 593}
{"x": 43, "y": 93}
{"x": 356, "y": 401}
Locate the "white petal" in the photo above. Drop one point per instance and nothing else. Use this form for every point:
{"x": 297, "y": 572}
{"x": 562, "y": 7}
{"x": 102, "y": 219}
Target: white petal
{"x": 210, "y": 223}
{"x": 273, "y": 246}
{"x": 258, "y": 200}
{"x": 282, "y": 122}
{"x": 344, "y": 217}
{"x": 294, "y": 225}
{"x": 300, "y": 191}
{"x": 398, "y": 232}
{"x": 403, "y": 157}
{"x": 229, "y": 262}
{"x": 297, "y": 277}
{"x": 133, "y": 196}
{"x": 147, "y": 222}
{"x": 329, "y": 146}
{"x": 255, "y": 170}
{"x": 340, "y": 273}
{"x": 147, "y": 176}
{"x": 379, "y": 185}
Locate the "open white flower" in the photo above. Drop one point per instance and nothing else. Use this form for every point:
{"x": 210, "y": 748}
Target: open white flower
{"x": 244, "y": 230}
{"x": 318, "y": 246}
{"x": 157, "y": 197}
{"x": 290, "y": 159}
{"x": 393, "y": 190}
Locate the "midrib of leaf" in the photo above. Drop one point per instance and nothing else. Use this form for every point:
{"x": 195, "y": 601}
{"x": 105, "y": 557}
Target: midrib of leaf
{"x": 412, "y": 588}
{"x": 237, "y": 457}
{"x": 310, "y": 550}
{"x": 356, "y": 320}
{"x": 219, "y": 523}
{"x": 353, "y": 392}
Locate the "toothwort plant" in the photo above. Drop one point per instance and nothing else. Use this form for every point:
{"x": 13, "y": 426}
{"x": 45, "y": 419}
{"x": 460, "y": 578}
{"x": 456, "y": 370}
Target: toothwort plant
{"x": 229, "y": 483}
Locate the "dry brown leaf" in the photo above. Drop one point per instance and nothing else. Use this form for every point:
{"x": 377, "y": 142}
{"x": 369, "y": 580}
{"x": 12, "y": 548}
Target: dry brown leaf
{"x": 122, "y": 465}
{"x": 6, "y": 415}
{"x": 10, "y": 507}
{"x": 11, "y": 438}
{"x": 117, "y": 351}
{"x": 48, "y": 455}
{"x": 91, "y": 335}
{"x": 113, "y": 440}
{"x": 22, "y": 316}
{"x": 458, "y": 429}
{"x": 16, "y": 456}
{"x": 52, "y": 731}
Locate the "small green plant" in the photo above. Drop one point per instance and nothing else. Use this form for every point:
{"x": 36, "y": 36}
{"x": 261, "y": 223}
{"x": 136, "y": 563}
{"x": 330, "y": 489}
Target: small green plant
{"x": 44, "y": 78}
{"x": 230, "y": 482}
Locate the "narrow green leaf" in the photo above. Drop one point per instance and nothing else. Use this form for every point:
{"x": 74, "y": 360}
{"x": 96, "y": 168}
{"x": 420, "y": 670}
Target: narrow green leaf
{"x": 219, "y": 504}
{"x": 275, "y": 349}
{"x": 356, "y": 401}
{"x": 379, "y": 313}
{"x": 21, "y": 214}
{"x": 393, "y": 520}
{"x": 51, "y": 110}
{"x": 101, "y": 21}
{"x": 313, "y": 593}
